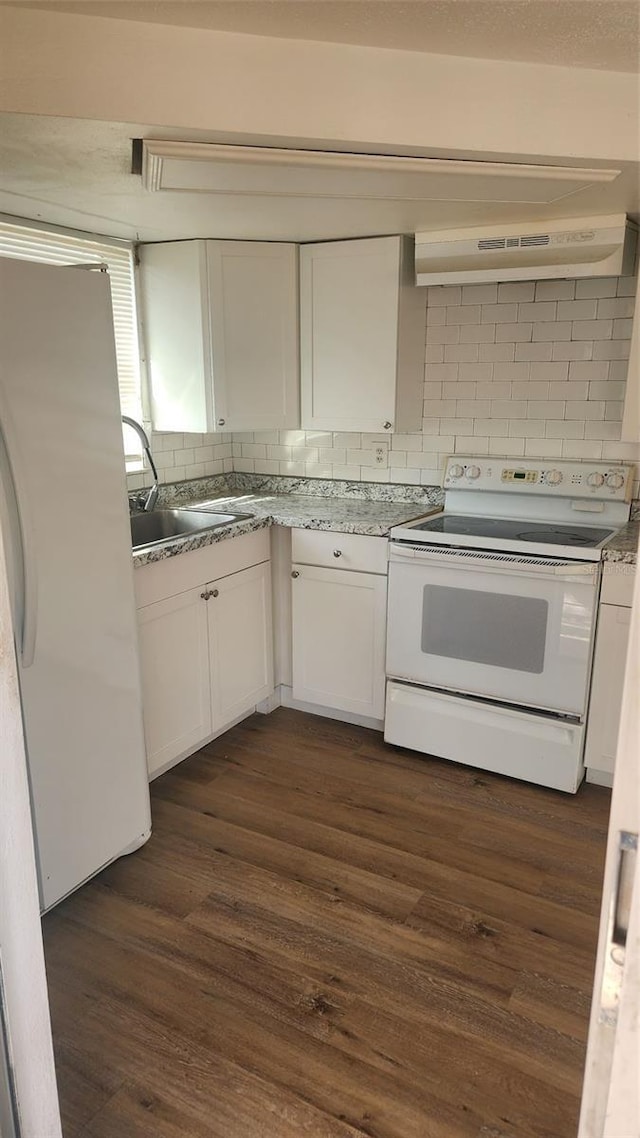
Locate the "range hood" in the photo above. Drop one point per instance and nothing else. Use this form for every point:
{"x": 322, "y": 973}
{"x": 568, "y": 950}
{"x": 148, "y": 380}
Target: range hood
{"x": 579, "y": 247}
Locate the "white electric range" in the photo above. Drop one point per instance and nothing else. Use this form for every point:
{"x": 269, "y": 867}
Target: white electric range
{"x": 492, "y": 615}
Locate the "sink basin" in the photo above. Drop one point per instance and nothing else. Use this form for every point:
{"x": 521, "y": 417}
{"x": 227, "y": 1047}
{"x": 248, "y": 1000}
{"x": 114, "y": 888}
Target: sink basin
{"x": 161, "y": 525}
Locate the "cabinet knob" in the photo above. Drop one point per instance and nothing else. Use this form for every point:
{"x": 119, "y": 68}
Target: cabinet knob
{"x": 295, "y": 573}
{"x": 387, "y": 426}
{"x": 215, "y": 593}
{"x": 221, "y": 422}
{"x": 337, "y": 553}
{"x": 205, "y": 596}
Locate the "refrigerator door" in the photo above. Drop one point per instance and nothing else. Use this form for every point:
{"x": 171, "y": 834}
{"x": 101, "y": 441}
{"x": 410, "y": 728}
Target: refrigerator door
{"x": 75, "y": 611}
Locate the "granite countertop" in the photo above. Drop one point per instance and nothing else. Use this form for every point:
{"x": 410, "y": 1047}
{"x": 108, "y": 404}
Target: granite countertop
{"x": 298, "y": 511}
{"x": 624, "y": 546}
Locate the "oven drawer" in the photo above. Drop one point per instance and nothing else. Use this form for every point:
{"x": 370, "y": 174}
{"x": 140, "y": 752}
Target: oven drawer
{"x": 357, "y": 552}
{"x": 535, "y": 748}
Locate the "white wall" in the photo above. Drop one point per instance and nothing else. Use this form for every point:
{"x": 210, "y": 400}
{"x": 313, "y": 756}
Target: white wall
{"x": 529, "y": 369}
{"x": 122, "y": 71}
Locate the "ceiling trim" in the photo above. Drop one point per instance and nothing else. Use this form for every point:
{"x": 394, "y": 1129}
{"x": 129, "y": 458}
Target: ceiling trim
{"x": 195, "y": 167}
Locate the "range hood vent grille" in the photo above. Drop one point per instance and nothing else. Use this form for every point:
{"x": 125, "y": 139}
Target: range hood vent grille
{"x": 582, "y": 247}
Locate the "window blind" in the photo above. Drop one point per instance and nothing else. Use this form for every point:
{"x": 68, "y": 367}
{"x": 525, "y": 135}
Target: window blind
{"x": 57, "y": 247}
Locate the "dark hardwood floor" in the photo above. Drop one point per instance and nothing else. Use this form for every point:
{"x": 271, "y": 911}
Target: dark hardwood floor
{"x": 329, "y": 937}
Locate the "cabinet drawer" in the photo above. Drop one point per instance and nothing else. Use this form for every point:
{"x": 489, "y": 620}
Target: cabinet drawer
{"x": 175, "y": 575}
{"x": 340, "y": 550}
{"x": 617, "y": 583}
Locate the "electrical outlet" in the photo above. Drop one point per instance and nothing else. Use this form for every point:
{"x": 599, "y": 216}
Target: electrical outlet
{"x": 380, "y": 454}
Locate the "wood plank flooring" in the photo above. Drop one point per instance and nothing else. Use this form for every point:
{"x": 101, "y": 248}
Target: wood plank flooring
{"x": 327, "y": 937}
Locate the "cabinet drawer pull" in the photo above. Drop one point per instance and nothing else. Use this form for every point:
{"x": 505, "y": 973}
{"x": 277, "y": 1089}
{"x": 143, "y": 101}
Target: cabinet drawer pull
{"x": 205, "y": 596}
{"x": 295, "y": 573}
{"x": 337, "y": 553}
{"x": 215, "y": 593}
{"x": 387, "y": 426}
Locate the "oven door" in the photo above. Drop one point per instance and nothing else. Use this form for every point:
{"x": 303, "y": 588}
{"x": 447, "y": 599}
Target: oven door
{"x": 504, "y": 626}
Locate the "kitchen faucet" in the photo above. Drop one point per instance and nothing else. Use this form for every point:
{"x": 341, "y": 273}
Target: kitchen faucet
{"x": 144, "y": 501}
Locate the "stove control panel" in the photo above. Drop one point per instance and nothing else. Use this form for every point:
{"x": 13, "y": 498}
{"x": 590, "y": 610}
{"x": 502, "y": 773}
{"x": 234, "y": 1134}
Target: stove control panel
{"x": 600, "y": 480}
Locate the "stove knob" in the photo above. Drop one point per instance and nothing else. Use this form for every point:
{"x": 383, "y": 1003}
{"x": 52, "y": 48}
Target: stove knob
{"x": 595, "y": 479}
{"x": 456, "y": 472}
{"x": 553, "y": 478}
{"x": 615, "y": 481}
{"x": 473, "y": 472}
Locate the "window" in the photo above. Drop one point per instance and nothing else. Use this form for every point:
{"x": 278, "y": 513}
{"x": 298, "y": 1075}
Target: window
{"x": 63, "y": 247}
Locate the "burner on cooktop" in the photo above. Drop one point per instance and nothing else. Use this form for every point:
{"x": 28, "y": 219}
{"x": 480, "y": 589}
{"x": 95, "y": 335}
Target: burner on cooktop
{"x": 515, "y": 529}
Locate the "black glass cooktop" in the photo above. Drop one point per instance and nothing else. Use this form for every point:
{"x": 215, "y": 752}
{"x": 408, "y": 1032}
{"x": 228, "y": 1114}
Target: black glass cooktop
{"x": 549, "y": 533}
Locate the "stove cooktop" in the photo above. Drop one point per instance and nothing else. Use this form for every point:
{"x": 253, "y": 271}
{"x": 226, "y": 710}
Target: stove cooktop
{"x": 516, "y": 529}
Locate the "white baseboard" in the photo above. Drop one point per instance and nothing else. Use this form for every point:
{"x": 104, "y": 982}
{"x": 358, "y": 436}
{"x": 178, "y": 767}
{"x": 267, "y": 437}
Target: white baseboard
{"x": 600, "y": 778}
{"x": 287, "y": 700}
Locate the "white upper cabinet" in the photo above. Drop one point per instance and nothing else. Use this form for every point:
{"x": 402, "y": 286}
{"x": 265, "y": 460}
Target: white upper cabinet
{"x": 362, "y": 333}
{"x": 221, "y": 335}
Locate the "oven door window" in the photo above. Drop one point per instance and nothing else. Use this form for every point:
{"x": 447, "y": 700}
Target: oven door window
{"x": 499, "y": 629}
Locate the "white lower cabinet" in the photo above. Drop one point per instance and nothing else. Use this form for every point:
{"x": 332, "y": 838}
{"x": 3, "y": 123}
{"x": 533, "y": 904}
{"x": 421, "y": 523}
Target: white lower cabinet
{"x": 240, "y": 643}
{"x": 338, "y": 626}
{"x": 609, "y": 664}
{"x": 174, "y": 661}
{"x": 206, "y": 652}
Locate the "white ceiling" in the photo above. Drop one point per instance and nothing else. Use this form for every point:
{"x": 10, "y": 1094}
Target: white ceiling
{"x": 601, "y": 34}
{"x": 77, "y": 173}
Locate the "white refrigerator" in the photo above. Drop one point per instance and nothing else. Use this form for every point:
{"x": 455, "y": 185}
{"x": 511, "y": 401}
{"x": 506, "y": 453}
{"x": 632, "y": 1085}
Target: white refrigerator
{"x": 64, "y": 514}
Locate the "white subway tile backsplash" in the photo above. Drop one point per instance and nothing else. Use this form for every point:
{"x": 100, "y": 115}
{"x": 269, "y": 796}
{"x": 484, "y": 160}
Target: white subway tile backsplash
{"x": 622, "y": 329}
{"x": 443, "y": 335}
{"x": 627, "y": 286}
{"x": 479, "y": 294}
{"x": 530, "y": 352}
{"x": 477, "y": 333}
{"x": 588, "y": 449}
{"x": 600, "y": 286}
{"x": 508, "y": 447}
{"x": 572, "y": 350}
{"x": 513, "y": 333}
{"x": 543, "y": 448}
{"x": 494, "y": 389}
{"x": 577, "y": 309}
{"x": 496, "y": 353}
{"x": 573, "y": 391}
{"x": 439, "y": 295}
{"x": 508, "y": 408}
{"x": 528, "y": 390}
{"x": 585, "y": 409}
{"x": 555, "y": 372}
{"x": 434, "y": 353}
{"x": 539, "y": 310}
{"x": 588, "y": 369}
{"x": 527, "y": 428}
{"x": 611, "y": 349}
{"x": 555, "y": 290}
{"x": 464, "y": 314}
{"x": 499, "y": 313}
{"x": 476, "y": 372}
{"x": 603, "y": 431}
{"x": 491, "y": 428}
{"x": 592, "y": 330}
{"x": 461, "y": 353}
{"x": 613, "y": 409}
{"x": 564, "y": 429}
{"x": 606, "y": 389}
{"x": 545, "y": 409}
{"x": 615, "y": 308}
{"x": 553, "y": 330}
{"x": 471, "y": 444}
{"x": 516, "y": 291}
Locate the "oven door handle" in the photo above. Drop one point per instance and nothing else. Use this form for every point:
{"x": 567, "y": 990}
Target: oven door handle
{"x": 496, "y": 562}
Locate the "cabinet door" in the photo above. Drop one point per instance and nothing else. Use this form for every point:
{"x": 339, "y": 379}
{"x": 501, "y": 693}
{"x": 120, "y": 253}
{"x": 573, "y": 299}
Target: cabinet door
{"x": 606, "y": 687}
{"x": 175, "y": 318}
{"x": 349, "y": 296}
{"x": 240, "y": 642}
{"x": 253, "y": 307}
{"x": 339, "y": 621}
{"x": 174, "y": 661}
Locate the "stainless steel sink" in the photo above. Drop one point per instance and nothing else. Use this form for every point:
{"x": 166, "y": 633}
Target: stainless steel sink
{"x": 161, "y": 525}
